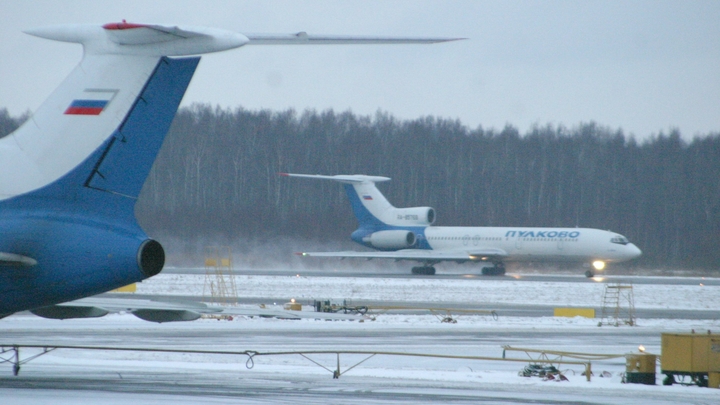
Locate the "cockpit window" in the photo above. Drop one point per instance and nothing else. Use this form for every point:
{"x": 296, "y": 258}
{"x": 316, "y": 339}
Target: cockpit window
{"x": 621, "y": 240}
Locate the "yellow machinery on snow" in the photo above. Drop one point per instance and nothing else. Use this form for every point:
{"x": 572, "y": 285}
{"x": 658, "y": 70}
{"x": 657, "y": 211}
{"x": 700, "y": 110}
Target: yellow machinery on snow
{"x": 693, "y": 355}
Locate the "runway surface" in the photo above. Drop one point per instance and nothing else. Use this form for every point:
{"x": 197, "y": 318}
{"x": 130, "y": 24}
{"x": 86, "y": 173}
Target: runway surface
{"x": 109, "y": 378}
{"x": 477, "y": 292}
{"x": 456, "y": 275}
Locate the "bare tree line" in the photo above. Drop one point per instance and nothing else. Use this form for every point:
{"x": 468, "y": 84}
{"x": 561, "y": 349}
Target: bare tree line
{"x": 216, "y": 177}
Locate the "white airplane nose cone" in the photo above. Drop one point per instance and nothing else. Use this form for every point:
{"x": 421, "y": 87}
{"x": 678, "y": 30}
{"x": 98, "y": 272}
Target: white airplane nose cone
{"x": 633, "y": 251}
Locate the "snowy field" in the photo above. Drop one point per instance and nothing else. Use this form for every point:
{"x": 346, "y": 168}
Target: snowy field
{"x": 102, "y": 377}
{"x": 472, "y": 291}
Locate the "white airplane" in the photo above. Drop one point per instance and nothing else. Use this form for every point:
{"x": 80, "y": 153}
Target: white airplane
{"x": 70, "y": 176}
{"x": 408, "y": 234}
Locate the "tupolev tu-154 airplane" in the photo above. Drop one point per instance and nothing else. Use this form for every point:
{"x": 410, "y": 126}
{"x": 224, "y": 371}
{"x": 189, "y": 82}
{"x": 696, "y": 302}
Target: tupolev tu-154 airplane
{"x": 70, "y": 176}
{"x": 408, "y": 234}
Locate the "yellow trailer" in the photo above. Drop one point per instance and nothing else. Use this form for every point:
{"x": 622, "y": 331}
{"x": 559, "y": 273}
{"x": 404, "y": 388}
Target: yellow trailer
{"x": 693, "y": 355}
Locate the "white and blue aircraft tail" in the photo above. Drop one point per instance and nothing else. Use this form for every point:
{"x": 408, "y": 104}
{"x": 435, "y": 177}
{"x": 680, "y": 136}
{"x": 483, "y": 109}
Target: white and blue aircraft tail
{"x": 408, "y": 234}
{"x": 70, "y": 176}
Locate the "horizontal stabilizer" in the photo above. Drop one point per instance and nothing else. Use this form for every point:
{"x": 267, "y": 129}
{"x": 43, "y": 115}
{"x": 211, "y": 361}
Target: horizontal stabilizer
{"x": 341, "y": 178}
{"x": 12, "y": 259}
{"x": 142, "y": 39}
{"x": 302, "y": 38}
{"x": 125, "y": 38}
{"x": 125, "y": 33}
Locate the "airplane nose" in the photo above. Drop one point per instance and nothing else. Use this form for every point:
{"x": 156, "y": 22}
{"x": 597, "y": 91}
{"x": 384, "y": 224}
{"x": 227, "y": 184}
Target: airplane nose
{"x": 633, "y": 251}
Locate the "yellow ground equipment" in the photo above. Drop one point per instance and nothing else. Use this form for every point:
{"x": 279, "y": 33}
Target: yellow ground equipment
{"x": 219, "y": 285}
{"x": 292, "y": 305}
{"x": 573, "y": 312}
{"x": 618, "y": 306}
{"x": 640, "y": 368}
{"x": 693, "y": 355}
{"x": 130, "y": 288}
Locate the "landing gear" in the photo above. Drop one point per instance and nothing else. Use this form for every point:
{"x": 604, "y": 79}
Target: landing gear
{"x": 589, "y": 274}
{"x": 497, "y": 270}
{"x": 424, "y": 270}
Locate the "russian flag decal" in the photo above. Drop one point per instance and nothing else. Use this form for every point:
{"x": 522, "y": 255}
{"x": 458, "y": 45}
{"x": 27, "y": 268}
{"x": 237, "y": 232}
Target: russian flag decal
{"x": 367, "y": 197}
{"x": 93, "y": 102}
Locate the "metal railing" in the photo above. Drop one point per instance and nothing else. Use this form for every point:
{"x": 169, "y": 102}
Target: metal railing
{"x": 13, "y": 350}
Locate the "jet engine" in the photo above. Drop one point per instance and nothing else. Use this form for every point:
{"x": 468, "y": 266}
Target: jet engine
{"x": 151, "y": 257}
{"x": 391, "y": 240}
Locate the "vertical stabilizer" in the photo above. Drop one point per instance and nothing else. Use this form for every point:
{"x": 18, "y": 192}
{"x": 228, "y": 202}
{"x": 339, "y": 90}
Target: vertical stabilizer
{"x": 70, "y": 176}
{"x": 372, "y": 210}
{"x": 369, "y": 205}
{"x": 109, "y": 180}
{"x": 75, "y": 120}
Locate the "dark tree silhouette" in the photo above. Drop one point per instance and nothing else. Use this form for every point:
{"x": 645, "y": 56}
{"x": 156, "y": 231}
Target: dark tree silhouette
{"x": 216, "y": 178}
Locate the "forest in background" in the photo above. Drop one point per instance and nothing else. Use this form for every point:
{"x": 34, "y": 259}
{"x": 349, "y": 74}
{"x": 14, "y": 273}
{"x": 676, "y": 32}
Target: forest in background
{"x": 216, "y": 178}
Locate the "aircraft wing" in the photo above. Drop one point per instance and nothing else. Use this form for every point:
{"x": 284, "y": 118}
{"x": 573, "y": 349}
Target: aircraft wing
{"x": 303, "y": 37}
{"x": 168, "y": 311}
{"x": 420, "y": 255}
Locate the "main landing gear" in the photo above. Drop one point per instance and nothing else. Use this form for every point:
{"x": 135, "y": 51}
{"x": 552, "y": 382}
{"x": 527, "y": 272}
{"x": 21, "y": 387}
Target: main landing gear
{"x": 424, "y": 270}
{"x": 497, "y": 270}
{"x": 598, "y": 265}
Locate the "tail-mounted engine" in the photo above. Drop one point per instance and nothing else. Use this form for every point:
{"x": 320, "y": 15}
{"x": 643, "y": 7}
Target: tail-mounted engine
{"x": 391, "y": 240}
{"x": 151, "y": 257}
{"x": 415, "y": 216}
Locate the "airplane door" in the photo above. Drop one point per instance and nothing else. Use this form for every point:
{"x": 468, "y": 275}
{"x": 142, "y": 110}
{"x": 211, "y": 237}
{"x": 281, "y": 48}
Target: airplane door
{"x": 518, "y": 243}
{"x": 561, "y": 243}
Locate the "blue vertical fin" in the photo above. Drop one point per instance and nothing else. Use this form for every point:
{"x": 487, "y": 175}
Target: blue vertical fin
{"x": 110, "y": 179}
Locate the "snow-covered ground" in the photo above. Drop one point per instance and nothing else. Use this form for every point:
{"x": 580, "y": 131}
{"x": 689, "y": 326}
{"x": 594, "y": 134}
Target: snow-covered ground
{"x": 71, "y": 377}
{"x": 471, "y": 291}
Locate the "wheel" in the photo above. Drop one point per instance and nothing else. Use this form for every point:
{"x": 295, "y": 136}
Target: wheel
{"x": 589, "y": 274}
{"x": 669, "y": 379}
{"x": 497, "y": 270}
{"x": 424, "y": 270}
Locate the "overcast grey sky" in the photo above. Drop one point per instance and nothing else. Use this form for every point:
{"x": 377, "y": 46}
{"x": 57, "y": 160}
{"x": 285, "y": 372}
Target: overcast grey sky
{"x": 643, "y": 66}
